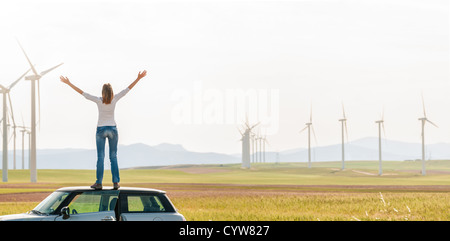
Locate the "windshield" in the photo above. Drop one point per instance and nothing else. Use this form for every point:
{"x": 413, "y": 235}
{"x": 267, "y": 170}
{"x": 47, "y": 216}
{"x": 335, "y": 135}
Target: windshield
{"x": 49, "y": 204}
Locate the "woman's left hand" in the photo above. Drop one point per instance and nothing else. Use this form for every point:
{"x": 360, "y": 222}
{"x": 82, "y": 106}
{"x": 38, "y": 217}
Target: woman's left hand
{"x": 64, "y": 79}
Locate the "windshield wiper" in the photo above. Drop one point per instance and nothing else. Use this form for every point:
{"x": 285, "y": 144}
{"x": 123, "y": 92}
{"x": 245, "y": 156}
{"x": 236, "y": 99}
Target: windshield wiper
{"x": 38, "y": 212}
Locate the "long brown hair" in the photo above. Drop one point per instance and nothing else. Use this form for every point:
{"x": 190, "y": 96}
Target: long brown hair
{"x": 107, "y": 94}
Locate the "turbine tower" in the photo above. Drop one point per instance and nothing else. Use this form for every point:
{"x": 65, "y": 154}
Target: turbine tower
{"x": 260, "y": 147}
{"x": 5, "y": 91}
{"x": 264, "y": 141}
{"x": 254, "y": 141}
{"x": 14, "y": 126}
{"x": 254, "y": 147}
{"x": 257, "y": 141}
{"x": 309, "y": 126}
{"x": 424, "y": 119}
{"x": 33, "y": 79}
{"x": 380, "y": 125}
{"x": 24, "y": 130}
{"x": 344, "y": 128}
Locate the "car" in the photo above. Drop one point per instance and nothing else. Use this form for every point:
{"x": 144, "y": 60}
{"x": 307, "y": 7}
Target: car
{"x": 107, "y": 204}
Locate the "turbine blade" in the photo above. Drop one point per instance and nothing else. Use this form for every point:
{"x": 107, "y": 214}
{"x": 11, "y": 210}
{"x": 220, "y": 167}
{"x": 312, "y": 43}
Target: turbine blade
{"x": 9, "y": 140}
{"x": 310, "y": 114}
{"x": 302, "y": 130}
{"x": 265, "y": 141}
{"x": 23, "y": 122}
{"x": 255, "y": 125}
{"x": 384, "y": 131}
{"x": 239, "y": 131}
{"x": 343, "y": 110}
{"x": 39, "y": 104}
{"x": 423, "y": 105}
{"x": 346, "y": 130}
{"x": 246, "y": 120}
{"x": 314, "y": 133}
{"x": 26, "y": 56}
{"x": 15, "y": 82}
{"x": 12, "y": 112}
{"x": 46, "y": 71}
{"x": 432, "y": 123}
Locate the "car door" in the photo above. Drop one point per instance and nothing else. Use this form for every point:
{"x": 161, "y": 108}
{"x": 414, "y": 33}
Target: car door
{"x": 143, "y": 207}
{"x": 92, "y": 206}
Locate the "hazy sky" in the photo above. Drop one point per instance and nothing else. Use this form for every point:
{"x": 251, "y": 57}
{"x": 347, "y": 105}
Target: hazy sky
{"x": 364, "y": 53}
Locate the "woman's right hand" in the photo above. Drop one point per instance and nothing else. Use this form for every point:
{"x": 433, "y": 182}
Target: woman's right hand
{"x": 64, "y": 80}
{"x": 142, "y": 75}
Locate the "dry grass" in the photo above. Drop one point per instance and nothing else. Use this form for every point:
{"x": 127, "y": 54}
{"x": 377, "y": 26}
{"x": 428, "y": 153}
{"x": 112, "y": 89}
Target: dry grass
{"x": 290, "y": 203}
{"x": 16, "y": 207}
{"x": 218, "y": 193}
{"x": 316, "y": 206}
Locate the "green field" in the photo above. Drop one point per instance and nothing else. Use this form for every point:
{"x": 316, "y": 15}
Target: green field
{"x": 322, "y": 173}
{"x": 269, "y": 191}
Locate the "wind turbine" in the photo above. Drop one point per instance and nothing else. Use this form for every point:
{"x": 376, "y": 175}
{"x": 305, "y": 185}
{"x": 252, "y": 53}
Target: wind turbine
{"x": 254, "y": 139}
{"x": 29, "y": 148}
{"x": 252, "y": 148}
{"x": 257, "y": 144}
{"x": 344, "y": 127}
{"x": 24, "y": 130}
{"x": 246, "y": 144}
{"x": 380, "y": 125}
{"x": 260, "y": 147}
{"x": 5, "y": 91}
{"x": 33, "y": 79}
{"x": 23, "y": 146}
{"x": 309, "y": 127}
{"x": 424, "y": 119}
{"x": 264, "y": 141}
{"x": 14, "y": 126}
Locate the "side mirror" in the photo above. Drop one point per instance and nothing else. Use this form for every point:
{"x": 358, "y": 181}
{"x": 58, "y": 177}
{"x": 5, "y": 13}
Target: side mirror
{"x": 65, "y": 212}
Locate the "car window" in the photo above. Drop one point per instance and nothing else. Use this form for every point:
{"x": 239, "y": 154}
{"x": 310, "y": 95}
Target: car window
{"x": 49, "y": 204}
{"x": 144, "y": 203}
{"x": 93, "y": 201}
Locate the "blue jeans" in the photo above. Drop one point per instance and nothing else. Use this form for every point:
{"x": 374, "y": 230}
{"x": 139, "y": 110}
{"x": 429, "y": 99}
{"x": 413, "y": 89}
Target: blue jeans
{"x": 109, "y": 132}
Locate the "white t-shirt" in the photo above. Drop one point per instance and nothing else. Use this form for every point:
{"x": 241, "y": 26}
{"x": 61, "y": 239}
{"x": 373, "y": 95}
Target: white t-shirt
{"x": 106, "y": 111}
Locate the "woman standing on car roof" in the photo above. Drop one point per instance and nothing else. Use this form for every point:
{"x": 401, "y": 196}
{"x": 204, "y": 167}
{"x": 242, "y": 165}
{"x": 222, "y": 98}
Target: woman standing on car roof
{"x": 106, "y": 127}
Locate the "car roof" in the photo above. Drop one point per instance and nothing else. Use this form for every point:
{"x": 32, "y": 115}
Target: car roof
{"x": 125, "y": 189}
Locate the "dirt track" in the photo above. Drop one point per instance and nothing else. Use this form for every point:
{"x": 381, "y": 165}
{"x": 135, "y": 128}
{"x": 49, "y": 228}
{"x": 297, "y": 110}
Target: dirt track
{"x": 24, "y": 197}
{"x": 196, "y": 190}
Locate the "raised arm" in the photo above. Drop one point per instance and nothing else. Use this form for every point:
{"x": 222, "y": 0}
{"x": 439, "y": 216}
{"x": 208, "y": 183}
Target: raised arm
{"x": 66, "y": 81}
{"x": 140, "y": 76}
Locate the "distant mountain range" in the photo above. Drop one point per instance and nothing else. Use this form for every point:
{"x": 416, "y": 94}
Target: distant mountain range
{"x": 130, "y": 156}
{"x": 141, "y": 155}
{"x": 367, "y": 149}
